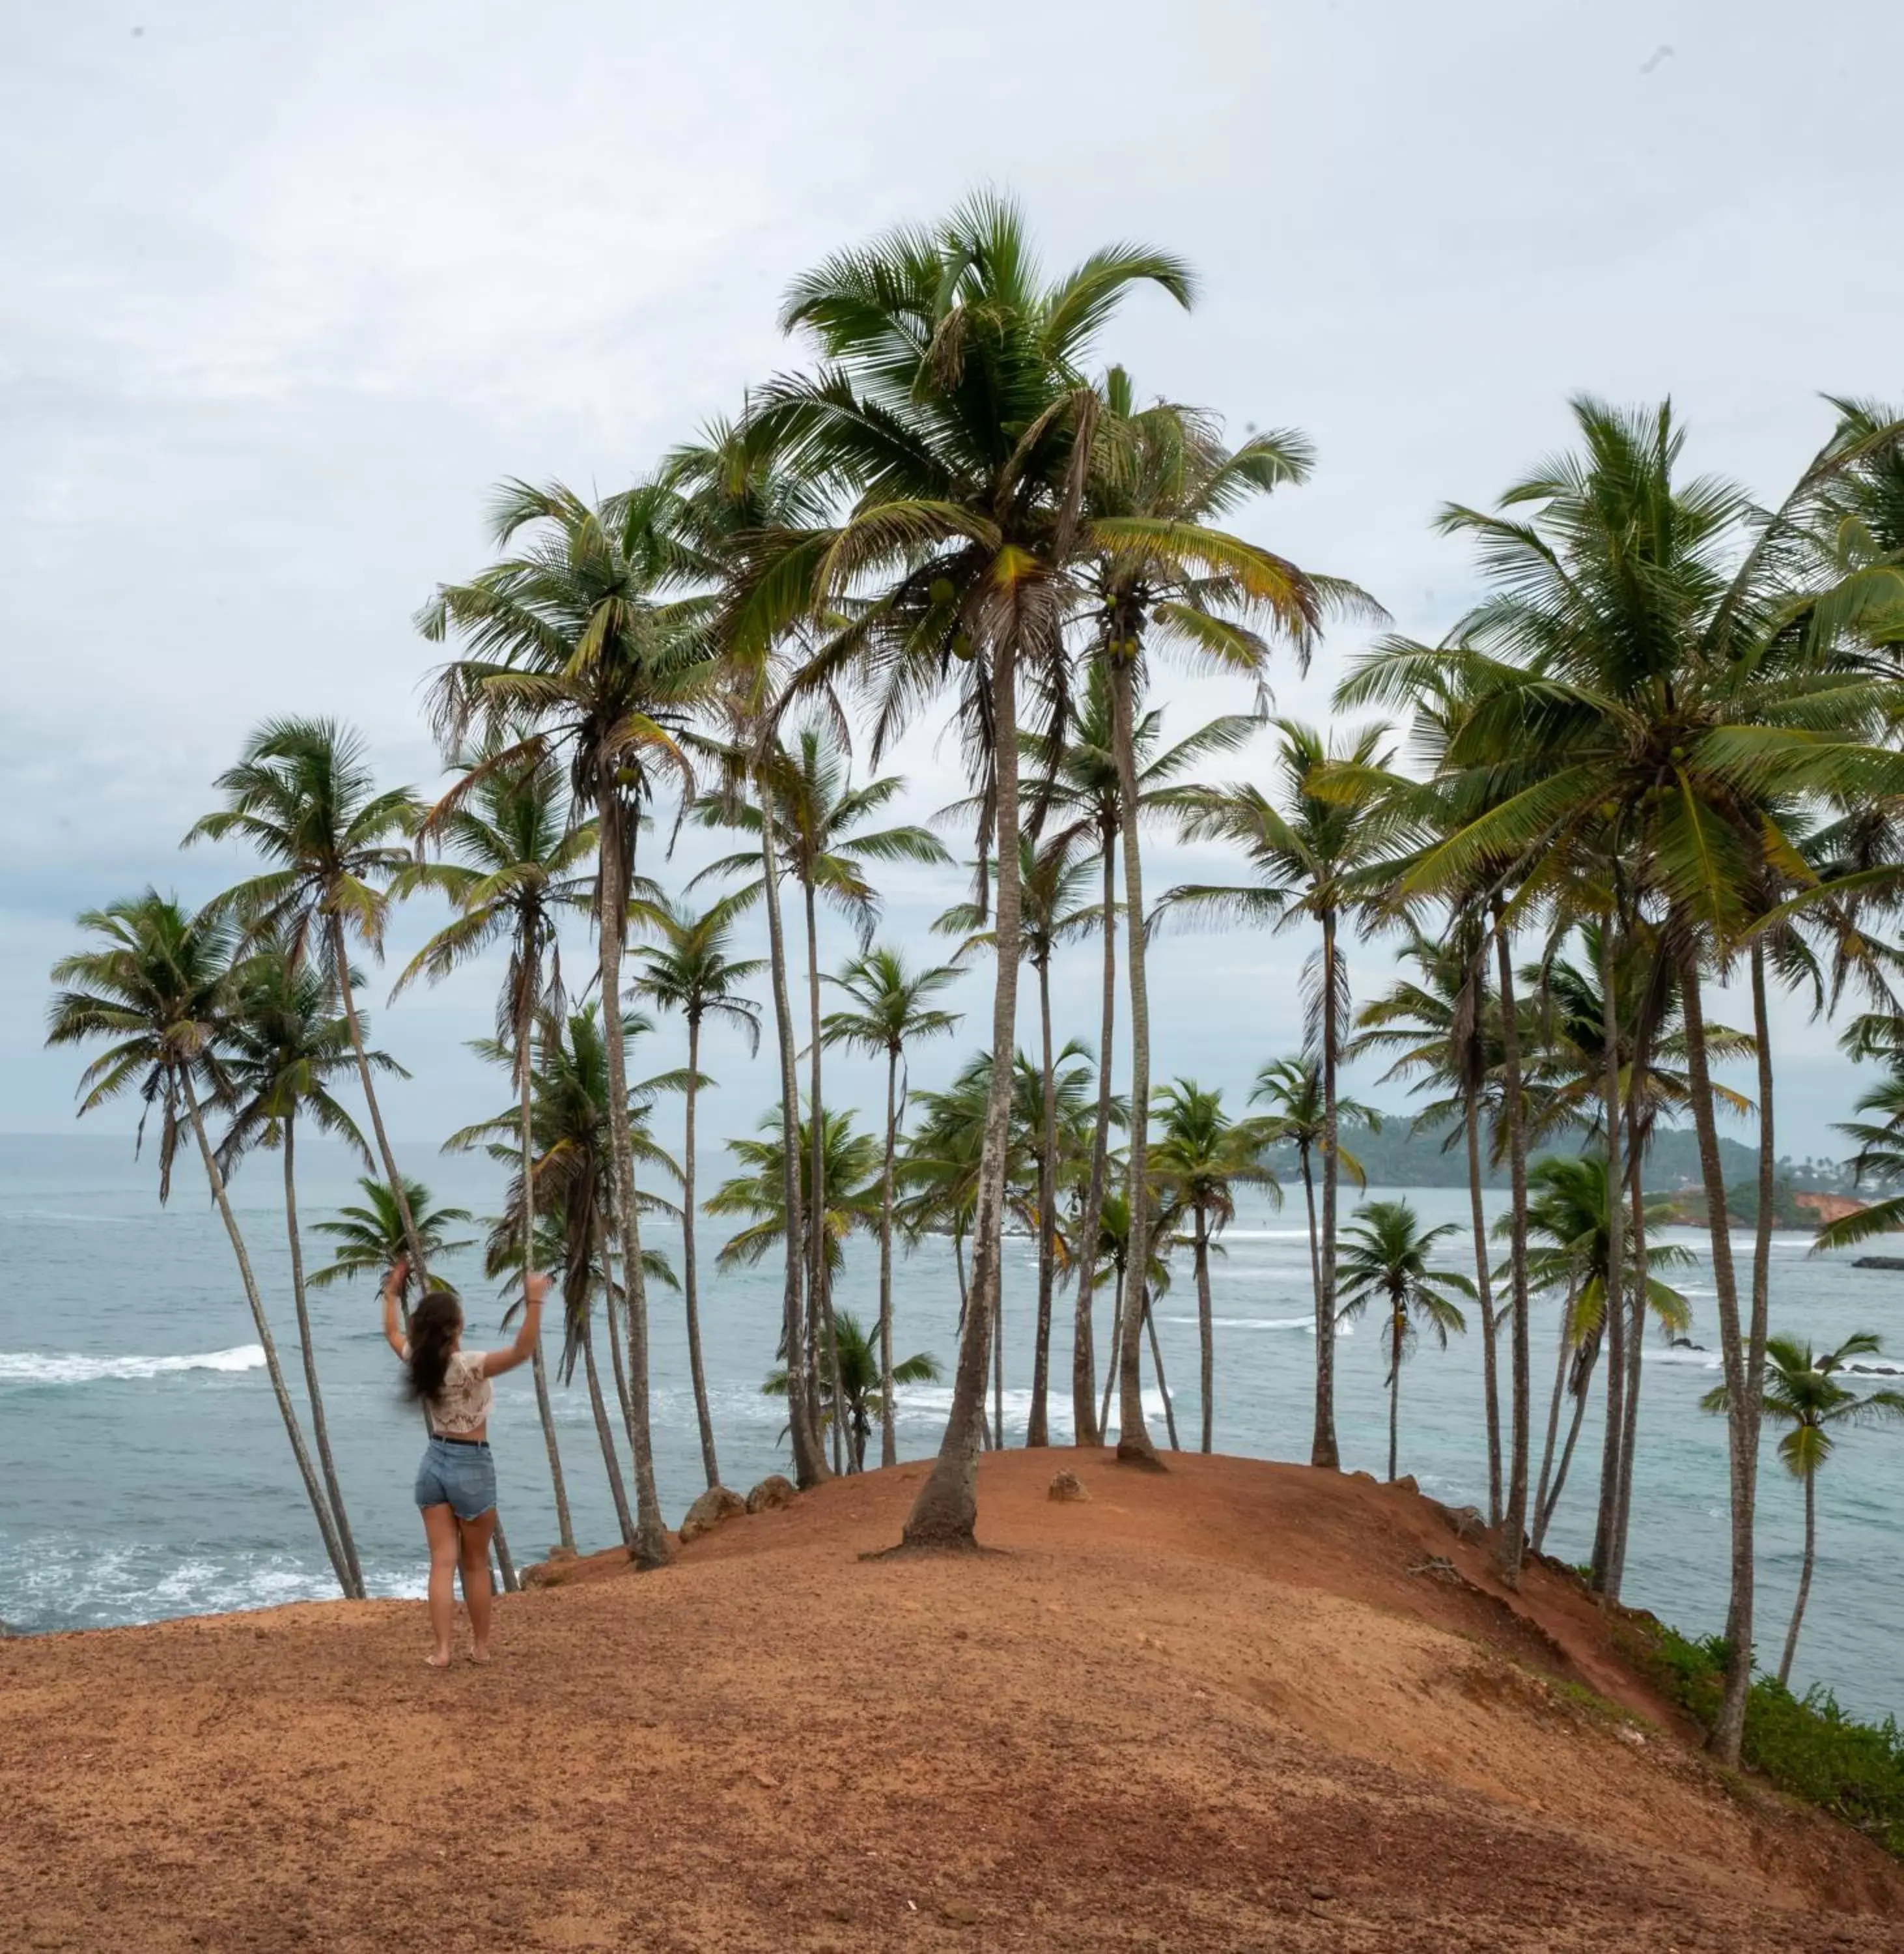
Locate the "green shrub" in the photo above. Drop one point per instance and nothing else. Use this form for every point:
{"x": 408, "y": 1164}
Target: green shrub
{"x": 1805, "y": 1744}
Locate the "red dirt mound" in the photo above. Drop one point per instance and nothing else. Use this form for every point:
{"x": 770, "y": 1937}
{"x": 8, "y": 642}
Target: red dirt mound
{"x": 1241, "y": 1706}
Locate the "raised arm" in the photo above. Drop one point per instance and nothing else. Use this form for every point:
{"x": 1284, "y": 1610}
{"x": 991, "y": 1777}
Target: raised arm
{"x": 495, "y": 1362}
{"x": 393, "y": 1309}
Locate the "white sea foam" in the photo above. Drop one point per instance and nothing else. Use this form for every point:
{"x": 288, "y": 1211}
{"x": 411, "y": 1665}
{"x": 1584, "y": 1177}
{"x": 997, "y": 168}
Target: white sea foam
{"x": 1307, "y": 1323}
{"x": 28, "y": 1367}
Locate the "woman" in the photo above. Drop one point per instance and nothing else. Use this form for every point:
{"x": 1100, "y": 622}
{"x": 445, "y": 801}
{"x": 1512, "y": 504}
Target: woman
{"x": 456, "y": 1485}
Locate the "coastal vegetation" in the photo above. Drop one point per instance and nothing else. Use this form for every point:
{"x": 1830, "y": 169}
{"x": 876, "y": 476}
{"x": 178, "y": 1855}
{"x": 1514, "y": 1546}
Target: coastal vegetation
{"x": 1659, "y": 754}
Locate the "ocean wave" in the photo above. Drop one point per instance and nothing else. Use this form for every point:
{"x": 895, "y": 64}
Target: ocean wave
{"x": 28, "y": 1367}
{"x": 1307, "y": 1323}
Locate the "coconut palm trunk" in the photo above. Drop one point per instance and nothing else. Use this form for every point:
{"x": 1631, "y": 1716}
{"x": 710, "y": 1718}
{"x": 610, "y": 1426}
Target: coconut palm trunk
{"x": 946, "y": 1510}
{"x": 809, "y": 1454}
{"x": 1563, "y": 1345}
{"x": 998, "y": 1366}
{"x": 710, "y": 1463}
{"x": 816, "y": 1186}
{"x": 1117, "y": 1348}
{"x": 1206, "y": 1326}
{"x": 1398, "y": 1326}
{"x": 1614, "y": 1446}
{"x": 313, "y": 1491}
{"x": 1088, "y": 1424}
{"x": 888, "y": 1436}
{"x": 1315, "y": 1240}
{"x": 320, "y": 1431}
{"x": 544, "y": 1409}
{"x": 651, "y": 1544}
{"x": 1323, "y": 1451}
{"x": 1134, "y": 1442}
{"x": 605, "y": 1436}
{"x": 346, "y": 995}
{"x": 1804, "y": 1579}
{"x": 1514, "y": 1543}
{"x": 1728, "y": 1726}
{"x": 1157, "y": 1364}
{"x": 1544, "y": 1518}
{"x": 1484, "y": 1292}
{"x": 1036, "y": 1430}
{"x": 1635, "y": 1344}
{"x": 1761, "y": 1267}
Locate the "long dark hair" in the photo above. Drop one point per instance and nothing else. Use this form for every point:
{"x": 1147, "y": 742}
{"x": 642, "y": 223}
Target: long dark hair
{"x": 435, "y": 1324}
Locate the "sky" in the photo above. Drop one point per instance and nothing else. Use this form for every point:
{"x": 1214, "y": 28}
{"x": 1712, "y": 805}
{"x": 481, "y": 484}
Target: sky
{"x": 288, "y": 290}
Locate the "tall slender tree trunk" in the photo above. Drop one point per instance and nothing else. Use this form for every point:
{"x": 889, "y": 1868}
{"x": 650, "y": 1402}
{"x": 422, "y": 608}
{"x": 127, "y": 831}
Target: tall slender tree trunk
{"x": 946, "y": 1513}
{"x": 1514, "y": 1544}
{"x": 268, "y": 1343}
{"x": 320, "y": 1431}
{"x": 998, "y": 1364}
{"x": 1157, "y": 1364}
{"x": 564, "y": 1524}
{"x": 1762, "y": 1267}
{"x": 1729, "y": 1727}
{"x": 888, "y": 1436}
{"x": 1323, "y": 1450}
{"x": 709, "y": 1462}
{"x": 650, "y": 1548}
{"x": 1088, "y": 1426}
{"x": 346, "y": 994}
{"x": 1397, "y": 1323}
{"x": 1035, "y": 1431}
{"x": 817, "y": 1181}
{"x": 1315, "y": 1240}
{"x": 1134, "y": 1442}
{"x": 605, "y": 1436}
{"x": 1117, "y": 1349}
{"x": 809, "y": 1454}
{"x": 1804, "y": 1579}
{"x": 1206, "y": 1327}
{"x": 1483, "y": 1290}
{"x": 1565, "y": 1344}
{"x": 1544, "y": 1518}
{"x": 1613, "y": 1448}
{"x": 1636, "y": 1347}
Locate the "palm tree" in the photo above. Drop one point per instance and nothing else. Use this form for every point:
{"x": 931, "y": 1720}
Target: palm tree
{"x": 866, "y": 1383}
{"x": 892, "y": 1011}
{"x": 516, "y": 850}
{"x": 159, "y": 985}
{"x": 823, "y": 845}
{"x": 1879, "y": 1159}
{"x": 1646, "y": 707}
{"x": 1114, "y": 1248}
{"x": 1076, "y": 779}
{"x": 369, "y": 1237}
{"x": 286, "y": 1049}
{"x": 1385, "y": 1253}
{"x": 848, "y": 1163}
{"x": 572, "y": 1174}
{"x": 1802, "y": 1390}
{"x": 1201, "y": 1157}
{"x": 954, "y": 407}
{"x": 568, "y": 635}
{"x": 1299, "y": 1117}
{"x": 1162, "y": 572}
{"x": 1053, "y": 911}
{"x": 691, "y": 970}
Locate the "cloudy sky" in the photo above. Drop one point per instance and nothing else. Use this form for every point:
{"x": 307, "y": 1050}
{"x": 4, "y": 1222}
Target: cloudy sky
{"x": 287, "y": 291}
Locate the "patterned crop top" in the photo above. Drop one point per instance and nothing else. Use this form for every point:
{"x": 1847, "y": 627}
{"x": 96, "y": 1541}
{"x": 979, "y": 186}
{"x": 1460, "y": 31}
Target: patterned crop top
{"x": 462, "y": 1404}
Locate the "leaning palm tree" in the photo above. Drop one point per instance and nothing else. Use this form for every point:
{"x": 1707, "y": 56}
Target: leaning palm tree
{"x": 825, "y": 847}
{"x": 513, "y": 853}
{"x": 690, "y": 970}
{"x": 1053, "y": 911}
{"x": 1385, "y": 1255}
{"x": 954, "y": 407}
{"x": 568, "y": 635}
{"x": 1201, "y": 1157}
{"x": 158, "y": 984}
{"x": 1163, "y": 575}
{"x": 1802, "y": 1390}
{"x": 866, "y": 1383}
{"x": 1075, "y": 782}
{"x": 893, "y": 1009}
{"x": 287, "y": 1048}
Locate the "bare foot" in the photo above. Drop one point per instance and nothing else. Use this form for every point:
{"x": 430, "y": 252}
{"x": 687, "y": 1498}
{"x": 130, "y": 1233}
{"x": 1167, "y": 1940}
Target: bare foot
{"x": 437, "y": 1661}
{"x": 479, "y": 1655}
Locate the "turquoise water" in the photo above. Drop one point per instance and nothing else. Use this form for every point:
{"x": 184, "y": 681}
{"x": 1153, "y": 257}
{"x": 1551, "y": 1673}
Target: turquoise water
{"x": 144, "y": 1473}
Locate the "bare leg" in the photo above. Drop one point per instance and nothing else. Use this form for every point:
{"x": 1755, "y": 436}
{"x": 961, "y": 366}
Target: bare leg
{"x": 440, "y": 1523}
{"x": 476, "y": 1591}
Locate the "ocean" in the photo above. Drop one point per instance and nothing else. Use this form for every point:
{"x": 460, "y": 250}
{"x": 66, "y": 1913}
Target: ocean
{"x": 144, "y": 1472}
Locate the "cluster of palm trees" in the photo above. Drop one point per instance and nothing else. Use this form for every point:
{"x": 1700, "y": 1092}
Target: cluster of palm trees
{"x": 1656, "y": 755}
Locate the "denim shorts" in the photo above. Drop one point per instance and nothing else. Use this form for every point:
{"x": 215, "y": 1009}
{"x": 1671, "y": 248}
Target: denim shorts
{"x": 460, "y": 1477}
